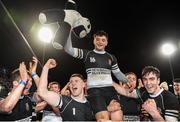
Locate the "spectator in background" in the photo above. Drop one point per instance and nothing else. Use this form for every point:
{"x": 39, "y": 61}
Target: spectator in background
{"x": 54, "y": 86}
{"x": 3, "y": 88}
{"x": 164, "y": 85}
{"x": 4, "y": 84}
{"x": 140, "y": 84}
{"x": 176, "y": 85}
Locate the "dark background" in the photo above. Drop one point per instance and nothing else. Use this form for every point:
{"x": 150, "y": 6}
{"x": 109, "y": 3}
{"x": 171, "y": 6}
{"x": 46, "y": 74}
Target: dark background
{"x": 136, "y": 31}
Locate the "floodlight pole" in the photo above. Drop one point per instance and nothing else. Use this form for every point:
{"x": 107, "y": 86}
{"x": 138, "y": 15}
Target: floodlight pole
{"x": 171, "y": 68}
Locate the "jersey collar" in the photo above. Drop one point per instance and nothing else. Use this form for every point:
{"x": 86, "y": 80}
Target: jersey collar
{"x": 99, "y": 52}
{"x": 84, "y": 101}
{"x": 155, "y": 95}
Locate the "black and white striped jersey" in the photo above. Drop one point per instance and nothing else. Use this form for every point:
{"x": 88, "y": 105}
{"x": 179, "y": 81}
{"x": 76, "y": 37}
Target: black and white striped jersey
{"x": 98, "y": 65}
{"x": 166, "y": 102}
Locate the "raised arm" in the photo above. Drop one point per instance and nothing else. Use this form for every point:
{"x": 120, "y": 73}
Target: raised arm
{"x": 7, "y": 104}
{"x": 32, "y": 70}
{"x": 50, "y": 97}
{"x": 68, "y": 46}
{"x": 126, "y": 92}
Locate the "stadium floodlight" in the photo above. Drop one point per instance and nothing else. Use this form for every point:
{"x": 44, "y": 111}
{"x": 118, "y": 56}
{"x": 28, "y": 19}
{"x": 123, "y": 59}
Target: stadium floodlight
{"x": 45, "y": 34}
{"x": 168, "y": 49}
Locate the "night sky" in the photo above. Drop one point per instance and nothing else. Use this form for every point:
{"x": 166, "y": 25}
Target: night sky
{"x": 136, "y": 31}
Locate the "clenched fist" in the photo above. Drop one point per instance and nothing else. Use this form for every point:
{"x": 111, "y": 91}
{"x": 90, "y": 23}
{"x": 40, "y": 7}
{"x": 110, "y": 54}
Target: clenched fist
{"x": 51, "y": 63}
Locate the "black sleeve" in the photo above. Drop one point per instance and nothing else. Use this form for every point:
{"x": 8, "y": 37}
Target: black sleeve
{"x": 65, "y": 100}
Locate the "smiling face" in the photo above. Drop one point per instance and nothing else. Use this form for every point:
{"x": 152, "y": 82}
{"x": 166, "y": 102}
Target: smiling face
{"x": 151, "y": 83}
{"x": 151, "y": 79}
{"x": 55, "y": 87}
{"x": 100, "y": 42}
{"x": 132, "y": 80}
{"x": 76, "y": 86}
{"x": 176, "y": 86}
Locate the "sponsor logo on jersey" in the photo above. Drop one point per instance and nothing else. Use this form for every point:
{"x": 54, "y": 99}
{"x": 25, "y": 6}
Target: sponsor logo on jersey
{"x": 92, "y": 59}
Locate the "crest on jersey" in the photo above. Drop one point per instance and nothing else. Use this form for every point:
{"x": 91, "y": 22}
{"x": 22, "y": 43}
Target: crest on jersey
{"x": 92, "y": 59}
{"x": 109, "y": 61}
{"x": 27, "y": 107}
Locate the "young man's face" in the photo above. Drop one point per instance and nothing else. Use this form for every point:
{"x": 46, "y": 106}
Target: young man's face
{"x": 76, "y": 86}
{"x": 132, "y": 80}
{"x": 177, "y": 88}
{"x": 55, "y": 88}
{"x": 151, "y": 83}
{"x": 100, "y": 42}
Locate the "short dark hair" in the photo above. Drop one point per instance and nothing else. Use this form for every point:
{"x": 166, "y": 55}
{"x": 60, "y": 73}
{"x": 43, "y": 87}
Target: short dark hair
{"x": 132, "y": 73}
{"x": 101, "y": 33}
{"x": 78, "y": 75}
{"x": 15, "y": 75}
{"x": 176, "y": 80}
{"x": 52, "y": 83}
{"x": 149, "y": 69}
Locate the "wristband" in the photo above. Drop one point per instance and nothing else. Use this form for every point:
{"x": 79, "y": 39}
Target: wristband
{"x": 33, "y": 74}
{"x": 22, "y": 82}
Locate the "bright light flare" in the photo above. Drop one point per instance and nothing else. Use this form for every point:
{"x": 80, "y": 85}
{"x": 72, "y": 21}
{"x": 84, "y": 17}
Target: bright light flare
{"x": 45, "y": 34}
{"x": 168, "y": 49}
